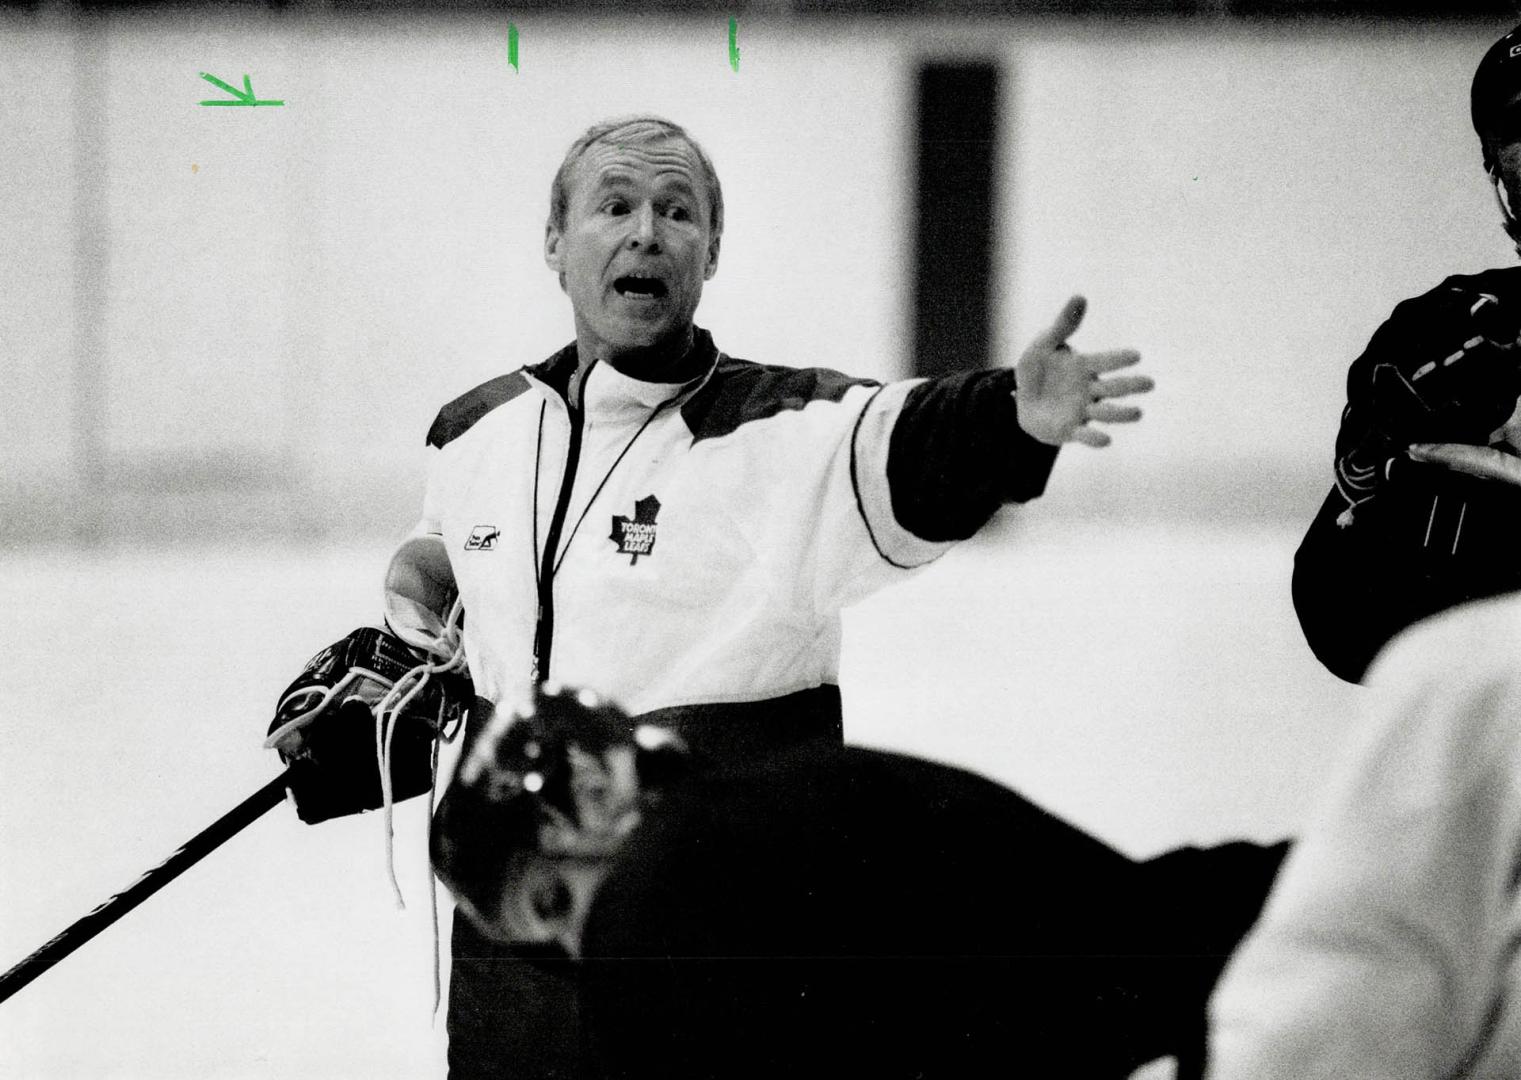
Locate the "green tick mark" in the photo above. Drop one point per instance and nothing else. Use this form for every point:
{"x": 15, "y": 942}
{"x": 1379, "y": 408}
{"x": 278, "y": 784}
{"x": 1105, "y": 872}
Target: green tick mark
{"x": 512, "y": 45}
{"x": 244, "y": 96}
{"x": 734, "y": 44}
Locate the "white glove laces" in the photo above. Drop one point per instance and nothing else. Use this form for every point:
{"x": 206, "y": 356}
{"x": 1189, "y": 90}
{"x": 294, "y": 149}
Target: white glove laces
{"x": 447, "y": 655}
{"x": 326, "y": 698}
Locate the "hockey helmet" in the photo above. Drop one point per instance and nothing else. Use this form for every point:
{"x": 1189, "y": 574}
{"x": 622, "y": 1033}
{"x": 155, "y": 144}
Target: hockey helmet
{"x": 1496, "y": 81}
{"x": 543, "y": 798}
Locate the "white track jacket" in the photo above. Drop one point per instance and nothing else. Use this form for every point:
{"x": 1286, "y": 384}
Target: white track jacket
{"x": 694, "y": 543}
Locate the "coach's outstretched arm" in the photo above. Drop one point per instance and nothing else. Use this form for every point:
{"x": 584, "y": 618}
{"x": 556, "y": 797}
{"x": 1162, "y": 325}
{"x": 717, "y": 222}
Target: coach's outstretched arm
{"x": 966, "y": 444}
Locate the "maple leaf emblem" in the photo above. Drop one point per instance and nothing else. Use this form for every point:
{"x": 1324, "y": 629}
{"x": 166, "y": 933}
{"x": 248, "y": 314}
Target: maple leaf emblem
{"x": 636, "y": 536}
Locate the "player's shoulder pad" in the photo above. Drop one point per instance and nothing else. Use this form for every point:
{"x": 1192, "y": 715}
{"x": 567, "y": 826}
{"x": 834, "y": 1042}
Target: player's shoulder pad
{"x": 461, "y": 414}
{"x": 740, "y": 392}
{"x": 1458, "y": 290}
{"x": 1436, "y": 320}
{"x": 1504, "y": 280}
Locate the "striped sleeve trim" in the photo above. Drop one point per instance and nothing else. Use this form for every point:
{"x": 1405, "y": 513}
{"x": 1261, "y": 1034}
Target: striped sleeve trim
{"x": 868, "y": 475}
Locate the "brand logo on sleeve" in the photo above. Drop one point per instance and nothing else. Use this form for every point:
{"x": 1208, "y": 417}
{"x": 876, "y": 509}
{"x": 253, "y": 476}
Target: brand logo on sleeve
{"x": 635, "y": 536}
{"x": 483, "y": 538}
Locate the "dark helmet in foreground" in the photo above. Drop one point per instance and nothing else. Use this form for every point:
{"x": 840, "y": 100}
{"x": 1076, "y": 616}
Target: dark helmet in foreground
{"x": 541, "y": 803}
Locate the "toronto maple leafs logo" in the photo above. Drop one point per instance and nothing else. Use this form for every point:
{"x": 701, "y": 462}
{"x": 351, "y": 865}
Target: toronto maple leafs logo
{"x": 636, "y": 536}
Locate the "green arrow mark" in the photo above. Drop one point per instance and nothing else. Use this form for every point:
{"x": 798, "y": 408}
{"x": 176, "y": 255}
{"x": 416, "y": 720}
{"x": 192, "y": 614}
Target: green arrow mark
{"x": 244, "y": 96}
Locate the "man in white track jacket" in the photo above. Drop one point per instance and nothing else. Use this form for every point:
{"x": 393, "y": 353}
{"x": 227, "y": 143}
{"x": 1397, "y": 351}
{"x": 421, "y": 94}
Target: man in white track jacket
{"x": 678, "y": 529}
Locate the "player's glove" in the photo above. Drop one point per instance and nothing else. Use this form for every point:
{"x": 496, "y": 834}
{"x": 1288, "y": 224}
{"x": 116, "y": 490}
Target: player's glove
{"x": 1448, "y": 371}
{"x": 363, "y": 701}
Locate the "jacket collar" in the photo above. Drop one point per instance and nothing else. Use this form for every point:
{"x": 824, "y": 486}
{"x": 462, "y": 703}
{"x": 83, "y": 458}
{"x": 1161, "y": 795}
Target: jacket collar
{"x": 611, "y": 390}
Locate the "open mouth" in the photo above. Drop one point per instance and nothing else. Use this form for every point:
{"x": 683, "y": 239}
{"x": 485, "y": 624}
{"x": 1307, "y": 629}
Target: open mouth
{"x": 640, "y": 288}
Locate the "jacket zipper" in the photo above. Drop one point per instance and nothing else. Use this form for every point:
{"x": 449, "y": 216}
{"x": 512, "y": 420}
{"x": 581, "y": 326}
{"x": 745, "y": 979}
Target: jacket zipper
{"x": 544, "y": 630}
{"x": 544, "y": 626}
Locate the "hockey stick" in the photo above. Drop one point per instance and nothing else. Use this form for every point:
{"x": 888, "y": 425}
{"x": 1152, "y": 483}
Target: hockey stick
{"x": 190, "y": 852}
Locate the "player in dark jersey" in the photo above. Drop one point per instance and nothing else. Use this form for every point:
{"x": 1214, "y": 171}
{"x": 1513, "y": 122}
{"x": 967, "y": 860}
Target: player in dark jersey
{"x": 1426, "y": 498}
{"x": 828, "y": 911}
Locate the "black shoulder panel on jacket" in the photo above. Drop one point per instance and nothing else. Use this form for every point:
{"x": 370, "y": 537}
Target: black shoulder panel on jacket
{"x": 457, "y": 417}
{"x": 740, "y": 391}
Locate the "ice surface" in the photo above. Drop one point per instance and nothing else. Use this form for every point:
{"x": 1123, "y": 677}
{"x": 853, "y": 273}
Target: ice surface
{"x": 1148, "y": 683}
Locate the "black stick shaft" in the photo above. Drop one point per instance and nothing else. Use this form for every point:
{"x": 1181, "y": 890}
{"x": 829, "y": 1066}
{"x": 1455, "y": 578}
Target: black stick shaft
{"x": 190, "y": 852}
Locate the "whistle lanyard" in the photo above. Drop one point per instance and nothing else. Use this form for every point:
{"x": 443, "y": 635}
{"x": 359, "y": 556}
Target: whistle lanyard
{"x": 545, "y": 564}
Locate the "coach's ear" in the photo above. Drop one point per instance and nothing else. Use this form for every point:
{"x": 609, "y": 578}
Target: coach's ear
{"x": 552, "y": 255}
{"x": 707, "y": 275}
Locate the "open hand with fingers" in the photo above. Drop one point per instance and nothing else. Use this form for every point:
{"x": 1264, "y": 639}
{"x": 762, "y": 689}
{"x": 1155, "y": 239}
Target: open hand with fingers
{"x": 1061, "y": 393}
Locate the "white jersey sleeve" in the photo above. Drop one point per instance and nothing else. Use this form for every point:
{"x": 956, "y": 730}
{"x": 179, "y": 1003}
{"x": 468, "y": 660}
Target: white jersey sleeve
{"x": 1389, "y": 947}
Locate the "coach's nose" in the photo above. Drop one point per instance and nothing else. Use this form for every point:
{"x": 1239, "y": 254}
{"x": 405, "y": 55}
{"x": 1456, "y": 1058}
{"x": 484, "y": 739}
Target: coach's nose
{"x": 642, "y": 235}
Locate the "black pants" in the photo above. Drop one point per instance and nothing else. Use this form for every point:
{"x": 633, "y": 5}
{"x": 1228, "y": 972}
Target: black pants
{"x": 848, "y": 912}
{"x": 513, "y": 1012}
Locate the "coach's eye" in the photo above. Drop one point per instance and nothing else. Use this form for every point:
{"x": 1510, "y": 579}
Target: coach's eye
{"x": 616, "y": 207}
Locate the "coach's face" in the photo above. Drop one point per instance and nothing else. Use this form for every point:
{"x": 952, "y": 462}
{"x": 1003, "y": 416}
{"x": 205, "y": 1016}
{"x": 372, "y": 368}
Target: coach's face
{"x": 636, "y": 246}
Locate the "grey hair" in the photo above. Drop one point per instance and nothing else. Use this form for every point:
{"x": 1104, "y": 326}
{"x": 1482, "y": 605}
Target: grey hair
{"x": 634, "y": 129}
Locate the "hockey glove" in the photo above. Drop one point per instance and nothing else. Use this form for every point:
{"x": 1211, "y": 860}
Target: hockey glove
{"x": 363, "y": 701}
